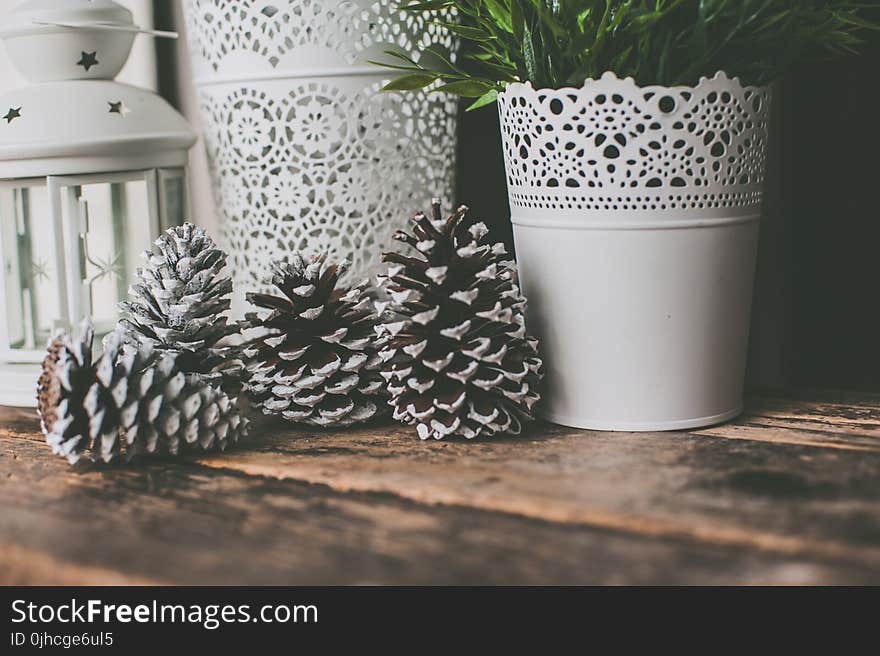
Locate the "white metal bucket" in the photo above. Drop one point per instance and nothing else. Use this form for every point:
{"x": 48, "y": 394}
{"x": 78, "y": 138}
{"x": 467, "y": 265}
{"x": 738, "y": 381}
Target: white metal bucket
{"x": 636, "y": 217}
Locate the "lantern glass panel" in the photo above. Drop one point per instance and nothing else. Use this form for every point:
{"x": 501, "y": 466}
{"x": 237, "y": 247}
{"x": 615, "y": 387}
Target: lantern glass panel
{"x": 33, "y": 275}
{"x": 71, "y": 247}
{"x": 114, "y": 222}
{"x": 174, "y": 199}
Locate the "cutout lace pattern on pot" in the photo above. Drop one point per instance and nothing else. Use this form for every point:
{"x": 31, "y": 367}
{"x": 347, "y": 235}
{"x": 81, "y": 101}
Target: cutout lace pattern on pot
{"x": 613, "y": 145}
{"x": 306, "y": 152}
{"x": 272, "y": 30}
{"x": 318, "y": 168}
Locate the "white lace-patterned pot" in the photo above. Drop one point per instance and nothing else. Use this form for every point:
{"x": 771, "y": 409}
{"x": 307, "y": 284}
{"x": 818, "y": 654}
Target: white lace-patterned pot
{"x": 306, "y": 152}
{"x": 636, "y": 214}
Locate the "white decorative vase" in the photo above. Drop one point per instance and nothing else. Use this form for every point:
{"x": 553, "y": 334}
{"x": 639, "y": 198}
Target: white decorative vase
{"x": 306, "y": 152}
{"x": 636, "y": 214}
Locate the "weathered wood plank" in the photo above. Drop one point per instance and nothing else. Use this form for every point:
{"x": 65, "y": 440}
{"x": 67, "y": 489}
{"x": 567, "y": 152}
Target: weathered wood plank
{"x": 775, "y": 497}
{"x": 860, "y": 413}
{"x": 20, "y": 423}
{"x": 844, "y": 420}
{"x": 804, "y": 434}
{"x": 821, "y": 423}
{"x": 21, "y": 566}
{"x": 792, "y": 479}
{"x": 185, "y": 523}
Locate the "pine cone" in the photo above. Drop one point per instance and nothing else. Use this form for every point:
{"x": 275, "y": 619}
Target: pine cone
{"x": 131, "y": 400}
{"x": 181, "y": 305}
{"x": 48, "y": 387}
{"x": 457, "y": 357}
{"x": 316, "y": 364}
{"x": 63, "y": 416}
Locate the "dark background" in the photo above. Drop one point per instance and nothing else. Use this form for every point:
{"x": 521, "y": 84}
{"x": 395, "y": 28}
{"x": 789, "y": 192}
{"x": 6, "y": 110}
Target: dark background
{"x": 816, "y": 319}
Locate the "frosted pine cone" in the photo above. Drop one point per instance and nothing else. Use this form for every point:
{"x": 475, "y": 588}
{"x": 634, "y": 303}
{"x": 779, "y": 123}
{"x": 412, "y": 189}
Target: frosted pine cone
{"x": 48, "y": 386}
{"x": 181, "y": 304}
{"x": 65, "y": 381}
{"x": 457, "y": 357}
{"x": 316, "y": 364}
{"x": 130, "y": 401}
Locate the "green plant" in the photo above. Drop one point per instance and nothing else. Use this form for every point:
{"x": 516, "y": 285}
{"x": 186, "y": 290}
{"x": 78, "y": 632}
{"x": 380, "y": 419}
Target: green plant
{"x": 559, "y": 43}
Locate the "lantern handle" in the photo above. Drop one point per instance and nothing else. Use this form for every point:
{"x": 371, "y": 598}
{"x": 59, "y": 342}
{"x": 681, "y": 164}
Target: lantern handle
{"x": 114, "y": 27}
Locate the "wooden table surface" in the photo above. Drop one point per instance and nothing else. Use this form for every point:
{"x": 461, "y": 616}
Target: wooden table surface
{"x": 787, "y": 494}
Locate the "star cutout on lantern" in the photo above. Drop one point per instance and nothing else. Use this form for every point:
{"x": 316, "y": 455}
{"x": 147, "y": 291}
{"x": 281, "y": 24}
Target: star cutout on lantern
{"x": 119, "y": 107}
{"x": 88, "y": 60}
{"x": 40, "y": 270}
{"x": 107, "y": 267}
{"x": 12, "y": 114}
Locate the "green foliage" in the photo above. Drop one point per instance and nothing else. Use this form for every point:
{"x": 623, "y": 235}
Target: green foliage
{"x": 559, "y": 43}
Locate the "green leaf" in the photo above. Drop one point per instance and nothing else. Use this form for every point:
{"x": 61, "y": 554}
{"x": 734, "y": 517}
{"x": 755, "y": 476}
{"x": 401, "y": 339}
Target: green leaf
{"x": 429, "y": 6}
{"x": 470, "y": 33}
{"x": 410, "y": 82}
{"x": 486, "y": 99}
{"x": 465, "y": 88}
{"x": 500, "y": 14}
{"x": 517, "y": 20}
{"x": 529, "y": 59}
{"x": 401, "y": 56}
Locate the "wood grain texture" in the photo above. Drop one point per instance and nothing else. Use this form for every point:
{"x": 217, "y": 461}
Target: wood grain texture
{"x": 824, "y": 421}
{"x": 790, "y": 493}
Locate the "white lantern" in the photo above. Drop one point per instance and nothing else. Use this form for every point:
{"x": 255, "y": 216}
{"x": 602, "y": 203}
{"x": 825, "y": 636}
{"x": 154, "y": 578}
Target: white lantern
{"x": 91, "y": 171}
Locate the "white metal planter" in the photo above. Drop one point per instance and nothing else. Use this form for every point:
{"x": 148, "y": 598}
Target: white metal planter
{"x": 306, "y": 151}
{"x": 636, "y": 216}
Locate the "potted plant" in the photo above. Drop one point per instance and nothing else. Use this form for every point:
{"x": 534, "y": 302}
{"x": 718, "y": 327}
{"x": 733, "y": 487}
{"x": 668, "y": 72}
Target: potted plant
{"x": 634, "y": 136}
